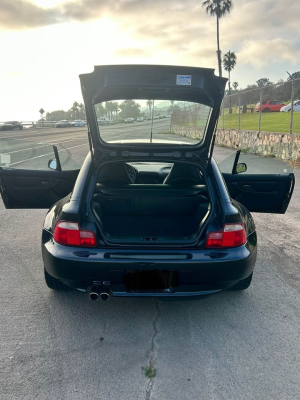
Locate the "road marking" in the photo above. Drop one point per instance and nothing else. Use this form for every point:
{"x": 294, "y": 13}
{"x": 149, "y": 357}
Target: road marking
{"x": 44, "y": 145}
{"x": 30, "y": 140}
{"x": 18, "y": 137}
{"x": 48, "y": 154}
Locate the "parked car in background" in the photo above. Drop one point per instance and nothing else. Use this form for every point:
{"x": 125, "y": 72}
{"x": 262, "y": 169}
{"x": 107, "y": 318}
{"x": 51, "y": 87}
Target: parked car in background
{"x": 269, "y": 106}
{"x": 11, "y": 125}
{"x": 140, "y": 119}
{"x": 64, "y": 123}
{"x": 102, "y": 121}
{"x": 78, "y": 122}
{"x": 129, "y": 121}
{"x": 289, "y": 106}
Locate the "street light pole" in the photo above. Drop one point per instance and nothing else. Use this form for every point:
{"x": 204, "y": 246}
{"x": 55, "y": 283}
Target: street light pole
{"x": 292, "y": 104}
{"x": 260, "y": 104}
{"x": 239, "y": 102}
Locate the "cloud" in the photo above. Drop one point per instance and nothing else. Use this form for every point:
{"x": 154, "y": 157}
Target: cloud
{"x": 21, "y": 14}
{"x": 263, "y": 52}
{"x": 259, "y": 32}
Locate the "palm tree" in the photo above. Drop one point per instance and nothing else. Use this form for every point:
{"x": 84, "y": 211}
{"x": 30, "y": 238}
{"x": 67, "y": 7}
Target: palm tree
{"x": 229, "y": 62}
{"x": 294, "y": 75}
{"x": 149, "y": 104}
{"x": 74, "y": 108}
{"x": 218, "y": 8}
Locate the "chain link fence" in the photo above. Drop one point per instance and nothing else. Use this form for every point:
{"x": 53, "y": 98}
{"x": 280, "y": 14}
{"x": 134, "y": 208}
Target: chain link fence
{"x": 263, "y": 109}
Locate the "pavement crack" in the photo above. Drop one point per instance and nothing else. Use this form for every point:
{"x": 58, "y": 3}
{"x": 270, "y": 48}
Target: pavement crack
{"x": 104, "y": 327}
{"x": 152, "y": 351}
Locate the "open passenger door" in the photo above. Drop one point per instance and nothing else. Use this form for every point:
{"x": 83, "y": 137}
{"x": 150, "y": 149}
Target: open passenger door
{"x": 267, "y": 192}
{"x": 32, "y": 188}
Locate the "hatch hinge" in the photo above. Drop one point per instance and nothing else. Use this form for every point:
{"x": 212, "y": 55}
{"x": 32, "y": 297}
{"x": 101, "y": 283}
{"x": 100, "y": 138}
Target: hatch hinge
{"x": 91, "y": 146}
{"x": 192, "y": 156}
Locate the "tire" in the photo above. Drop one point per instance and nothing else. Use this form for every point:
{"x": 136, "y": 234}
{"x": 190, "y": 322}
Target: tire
{"x": 21, "y": 127}
{"x": 243, "y": 284}
{"x": 54, "y": 283}
{"x": 266, "y": 110}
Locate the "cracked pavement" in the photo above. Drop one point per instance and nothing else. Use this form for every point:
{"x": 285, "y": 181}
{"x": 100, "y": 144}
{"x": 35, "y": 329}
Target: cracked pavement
{"x": 228, "y": 346}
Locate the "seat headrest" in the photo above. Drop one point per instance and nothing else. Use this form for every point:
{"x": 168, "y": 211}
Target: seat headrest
{"x": 115, "y": 172}
{"x": 184, "y": 174}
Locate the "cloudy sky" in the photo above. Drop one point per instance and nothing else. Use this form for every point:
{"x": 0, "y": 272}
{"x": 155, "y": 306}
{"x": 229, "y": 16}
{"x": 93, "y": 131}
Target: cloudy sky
{"x": 46, "y": 44}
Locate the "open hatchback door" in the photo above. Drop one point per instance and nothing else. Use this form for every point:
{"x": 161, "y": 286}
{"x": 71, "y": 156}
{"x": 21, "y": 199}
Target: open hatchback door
{"x": 166, "y": 111}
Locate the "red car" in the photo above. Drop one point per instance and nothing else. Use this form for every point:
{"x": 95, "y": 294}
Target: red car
{"x": 270, "y": 106}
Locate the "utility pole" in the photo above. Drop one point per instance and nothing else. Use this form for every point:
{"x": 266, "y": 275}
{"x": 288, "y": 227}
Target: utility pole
{"x": 260, "y": 104}
{"x": 239, "y": 105}
{"x": 292, "y": 104}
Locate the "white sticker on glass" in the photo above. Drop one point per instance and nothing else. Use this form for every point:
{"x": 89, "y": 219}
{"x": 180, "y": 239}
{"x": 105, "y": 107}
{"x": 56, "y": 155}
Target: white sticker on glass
{"x": 184, "y": 80}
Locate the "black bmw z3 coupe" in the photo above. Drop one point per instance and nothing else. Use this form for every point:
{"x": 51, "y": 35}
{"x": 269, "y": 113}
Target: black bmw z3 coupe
{"x": 149, "y": 214}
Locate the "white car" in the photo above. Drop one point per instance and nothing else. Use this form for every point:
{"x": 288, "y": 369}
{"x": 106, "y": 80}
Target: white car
{"x": 103, "y": 121}
{"x": 140, "y": 119}
{"x": 78, "y": 122}
{"x": 289, "y": 106}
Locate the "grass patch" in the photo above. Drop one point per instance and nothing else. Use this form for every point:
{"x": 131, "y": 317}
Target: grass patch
{"x": 149, "y": 372}
{"x": 270, "y": 122}
{"x": 245, "y": 150}
{"x": 270, "y": 156}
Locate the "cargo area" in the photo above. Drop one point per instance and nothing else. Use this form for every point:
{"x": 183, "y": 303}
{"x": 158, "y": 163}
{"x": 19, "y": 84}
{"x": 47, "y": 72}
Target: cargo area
{"x": 150, "y": 213}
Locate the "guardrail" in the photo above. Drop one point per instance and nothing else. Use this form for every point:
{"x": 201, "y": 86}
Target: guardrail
{"x": 37, "y": 124}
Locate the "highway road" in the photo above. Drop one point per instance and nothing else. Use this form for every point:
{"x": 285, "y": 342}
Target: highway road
{"x": 62, "y": 346}
{"x": 31, "y": 148}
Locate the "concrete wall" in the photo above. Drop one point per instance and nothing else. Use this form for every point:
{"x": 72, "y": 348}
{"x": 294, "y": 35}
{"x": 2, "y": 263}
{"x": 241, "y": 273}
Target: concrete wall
{"x": 281, "y": 145}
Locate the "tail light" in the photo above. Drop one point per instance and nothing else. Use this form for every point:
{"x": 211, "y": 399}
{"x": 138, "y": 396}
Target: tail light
{"x": 70, "y": 234}
{"x": 232, "y": 235}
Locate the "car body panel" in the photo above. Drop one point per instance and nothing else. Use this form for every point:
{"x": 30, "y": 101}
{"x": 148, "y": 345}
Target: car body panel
{"x": 270, "y": 106}
{"x": 267, "y": 193}
{"x": 289, "y": 106}
{"x": 193, "y": 270}
{"x": 201, "y": 270}
{"x": 11, "y": 125}
{"x": 78, "y": 123}
{"x": 34, "y": 189}
{"x": 63, "y": 124}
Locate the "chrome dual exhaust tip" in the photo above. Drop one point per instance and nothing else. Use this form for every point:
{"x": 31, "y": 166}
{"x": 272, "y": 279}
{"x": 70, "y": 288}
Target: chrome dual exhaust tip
{"x": 95, "y": 296}
{"x": 104, "y": 296}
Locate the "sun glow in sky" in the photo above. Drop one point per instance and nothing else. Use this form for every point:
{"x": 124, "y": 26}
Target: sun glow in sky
{"x": 46, "y": 44}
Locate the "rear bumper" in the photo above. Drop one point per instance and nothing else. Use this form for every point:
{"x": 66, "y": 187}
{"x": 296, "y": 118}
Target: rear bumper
{"x": 200, "y": 273}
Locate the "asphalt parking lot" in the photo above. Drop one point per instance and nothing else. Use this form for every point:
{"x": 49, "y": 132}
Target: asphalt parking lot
{"x": 63, "y": 346}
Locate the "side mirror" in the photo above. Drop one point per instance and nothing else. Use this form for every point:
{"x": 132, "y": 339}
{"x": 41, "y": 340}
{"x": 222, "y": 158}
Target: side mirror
{"x": 240, "y": 168}
{"x": 52, "y": 164}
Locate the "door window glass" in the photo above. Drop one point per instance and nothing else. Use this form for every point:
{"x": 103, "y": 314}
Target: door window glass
{"x": 257, "y": 164}
{"x": 32, "y": 149}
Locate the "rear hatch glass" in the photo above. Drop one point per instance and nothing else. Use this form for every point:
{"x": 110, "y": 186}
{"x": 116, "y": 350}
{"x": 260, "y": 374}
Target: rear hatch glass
{"x": 152, "y": 121}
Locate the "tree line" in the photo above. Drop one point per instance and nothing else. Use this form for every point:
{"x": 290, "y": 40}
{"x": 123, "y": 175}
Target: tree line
{"x": 77, "y": 111}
